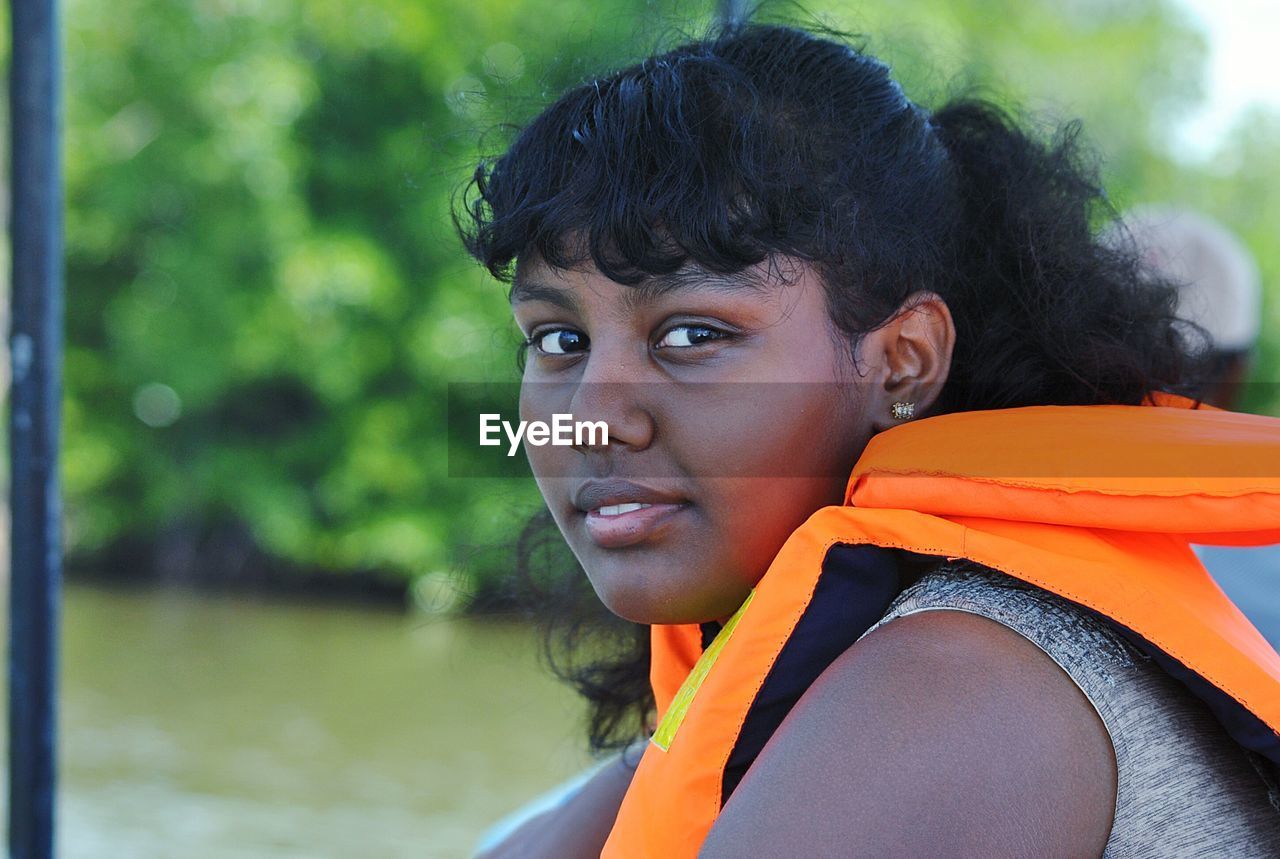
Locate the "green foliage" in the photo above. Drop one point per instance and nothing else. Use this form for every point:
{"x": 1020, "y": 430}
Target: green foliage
{"x": 266, "y": 300}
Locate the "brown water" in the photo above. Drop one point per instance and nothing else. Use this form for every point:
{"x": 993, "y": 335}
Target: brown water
{"x": 212, "y": 727}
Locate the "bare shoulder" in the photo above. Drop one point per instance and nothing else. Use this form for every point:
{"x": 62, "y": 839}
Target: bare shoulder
{"x": 940, "y": 733}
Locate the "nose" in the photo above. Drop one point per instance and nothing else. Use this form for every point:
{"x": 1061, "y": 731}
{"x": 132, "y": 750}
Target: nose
{"x": 613, "y": 388}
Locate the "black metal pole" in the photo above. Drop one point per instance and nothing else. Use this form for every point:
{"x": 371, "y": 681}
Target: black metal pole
{"x": 35, "y": 351}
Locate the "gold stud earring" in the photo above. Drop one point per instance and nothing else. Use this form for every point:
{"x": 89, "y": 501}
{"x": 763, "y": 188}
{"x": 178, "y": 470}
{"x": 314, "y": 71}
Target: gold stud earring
{"x": 903, "y": 411}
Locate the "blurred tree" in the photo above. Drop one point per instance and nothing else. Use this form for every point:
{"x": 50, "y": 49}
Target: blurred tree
{"x": 266, "y": 299}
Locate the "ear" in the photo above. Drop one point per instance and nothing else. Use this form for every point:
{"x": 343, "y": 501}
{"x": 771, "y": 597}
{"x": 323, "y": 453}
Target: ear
{"x": 909, "y": 358}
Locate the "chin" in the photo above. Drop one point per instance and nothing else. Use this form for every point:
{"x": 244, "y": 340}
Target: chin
{"x": 647, "y": 599}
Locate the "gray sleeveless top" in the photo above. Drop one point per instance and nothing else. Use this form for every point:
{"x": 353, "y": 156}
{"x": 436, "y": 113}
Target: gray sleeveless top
{"x": 1184, "y": 787}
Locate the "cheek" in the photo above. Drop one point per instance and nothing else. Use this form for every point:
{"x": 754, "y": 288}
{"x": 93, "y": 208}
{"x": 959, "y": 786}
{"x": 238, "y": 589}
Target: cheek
{"x": 785, "y": 430}
{"x": 540, "y": 402}
{"x": 764, "y": 461}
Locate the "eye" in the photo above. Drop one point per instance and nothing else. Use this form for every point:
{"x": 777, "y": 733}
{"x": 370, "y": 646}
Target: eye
{"x": 559, "y": 341}
{"x": 689, "y": 335}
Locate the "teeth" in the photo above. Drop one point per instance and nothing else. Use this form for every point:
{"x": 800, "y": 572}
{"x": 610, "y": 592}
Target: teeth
{"x": 619, "y": 509}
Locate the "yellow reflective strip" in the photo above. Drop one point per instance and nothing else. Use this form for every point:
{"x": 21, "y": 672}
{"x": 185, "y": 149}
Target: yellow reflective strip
{"x": 680, "y": 703}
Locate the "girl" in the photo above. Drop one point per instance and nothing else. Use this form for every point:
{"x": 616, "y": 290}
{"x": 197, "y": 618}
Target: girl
{"x": 898, "y": 482}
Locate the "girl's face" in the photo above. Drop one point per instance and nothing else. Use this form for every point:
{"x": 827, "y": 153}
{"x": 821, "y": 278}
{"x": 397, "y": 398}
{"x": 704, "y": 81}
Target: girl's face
{"x": 734, "y": 412}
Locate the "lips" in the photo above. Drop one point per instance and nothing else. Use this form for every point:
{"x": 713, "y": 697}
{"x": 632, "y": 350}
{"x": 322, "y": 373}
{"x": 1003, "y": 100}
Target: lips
{"x": 620, "y": 513}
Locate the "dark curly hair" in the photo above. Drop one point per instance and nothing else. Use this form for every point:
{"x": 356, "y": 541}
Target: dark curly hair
{"x": 764, "y": 141}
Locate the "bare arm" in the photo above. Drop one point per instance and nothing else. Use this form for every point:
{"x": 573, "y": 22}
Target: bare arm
{"x": 940, "y": 734}
{"x": 579, "y": 826}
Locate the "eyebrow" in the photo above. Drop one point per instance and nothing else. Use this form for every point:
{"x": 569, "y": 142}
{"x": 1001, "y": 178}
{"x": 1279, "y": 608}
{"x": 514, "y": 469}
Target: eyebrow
{"x": 639, "y": 295}
{"x": 529, "y": 290}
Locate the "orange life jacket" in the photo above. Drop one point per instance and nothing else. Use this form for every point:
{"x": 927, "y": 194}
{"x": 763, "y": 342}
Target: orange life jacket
{"x": 1097, "y": 504}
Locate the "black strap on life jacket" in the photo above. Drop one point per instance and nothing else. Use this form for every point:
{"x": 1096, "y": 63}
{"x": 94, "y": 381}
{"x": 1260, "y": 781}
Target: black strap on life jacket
{"x": 854, "y": 590}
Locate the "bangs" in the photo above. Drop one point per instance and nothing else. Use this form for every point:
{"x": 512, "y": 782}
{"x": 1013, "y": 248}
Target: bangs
{"x": 678, "y": 159}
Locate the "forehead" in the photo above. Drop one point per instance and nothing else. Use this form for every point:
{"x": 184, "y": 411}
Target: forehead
{"x": 534, "y": 280}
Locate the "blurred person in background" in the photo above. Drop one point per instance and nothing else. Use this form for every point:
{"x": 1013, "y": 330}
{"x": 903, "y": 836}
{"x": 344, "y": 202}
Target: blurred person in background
{"x": 1220, "y": 290}
{"x": 929, "y": 610}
